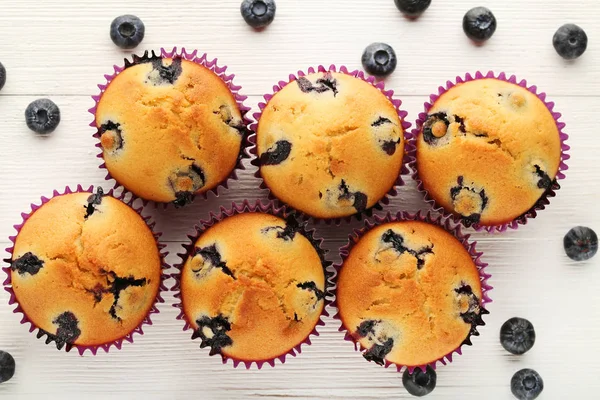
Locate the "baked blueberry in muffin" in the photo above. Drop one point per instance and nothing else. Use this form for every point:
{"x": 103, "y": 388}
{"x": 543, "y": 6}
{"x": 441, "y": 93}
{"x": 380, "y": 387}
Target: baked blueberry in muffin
{"x": 253, "y": 287}
{"x": 85, "y": 269}
{"x": 330, "y": 145}
{"x": 169, "y": 129}
{"x": 409, "y": 293}
{"x": 488, "y": 151}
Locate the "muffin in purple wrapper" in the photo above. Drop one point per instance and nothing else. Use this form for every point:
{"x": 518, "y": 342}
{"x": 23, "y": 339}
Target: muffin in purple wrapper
{"x": 411, "y": 290}
{"x": 85, "y": 269}
{"x": 252, "y": 284}
{"x": 489, "y": 150}
{"x": 330, "y": 143}
{"x": 170, "y": 126}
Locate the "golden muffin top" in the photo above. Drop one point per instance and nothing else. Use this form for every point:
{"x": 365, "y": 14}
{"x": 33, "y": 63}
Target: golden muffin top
{"x": 253, "y": 288}
{"x": 488, "y": 151}
{"x": 330, "y": 145}
{"x": 409, "y": 293}
{"x": 169, "y": 129}
{"x": 85, "y": 269}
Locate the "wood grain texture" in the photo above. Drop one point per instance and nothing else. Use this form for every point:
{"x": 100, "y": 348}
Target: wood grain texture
{"x": 61, "y": 49}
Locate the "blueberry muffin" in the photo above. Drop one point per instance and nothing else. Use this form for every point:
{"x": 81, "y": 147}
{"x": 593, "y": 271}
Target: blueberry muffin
{"x": 253, "y": 287}
{"x": 85, "y": 269}
{"x": 330, "y": 145}
{"x": 169, "y": 128}
{"x": 488, "y": 151}
{"x": 409, "y": 293}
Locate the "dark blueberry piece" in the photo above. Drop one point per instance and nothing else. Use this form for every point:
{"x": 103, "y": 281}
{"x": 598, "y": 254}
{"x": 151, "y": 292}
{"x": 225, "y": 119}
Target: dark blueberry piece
{"x": 360, "y": 199}
{"x": 366, "y": 327}
{"x": 397, "y": 242}
{"x": 183, "y": 198}
{"x": 412, "y": 8}
{"x": 389, "y": 146}
{"x": 570, "y": 41}
{"x": 28, "y": 263}
{"x": 288, "y": 232}
{"x": 581, "y": 243}
{"x": 117, "y": 286}
{"x": 111, "y": 136}
{"x": 276, "y": 154}
{"x": 67, "y": 333}
{"x": 379, "y": 59}
{"x": 460, "y": 121}
{"x": 312, "y": 287}
{"x": 127, "y": 31}
{"x": 377, "y": 352}
{"x": 545, "y": 182}
{"x": 419, "y": 383}
{"x": 92, "y": 201}
{"x": 258, "y": 13}
{"x": 162, "y": 74}
{"x": 212, "y": 255}
{"x": 462, "y": 191}
{"x": 381, "y": 121}
{"x": 474, "y": 314}
{"x": 517, "y": 336}
{"x": 304, "y": 84}
{"x": 7, "y": 366}
{"x": 325, "y": 84}
{"x": 2, "y": 76}
{"x": 217, "y": 338}
{"x": 479, "y": 24}
{"x": 185, "y": 183}
{"x": 42, "y": 116}
{"x": 433, "y": 129}
{"x": 526, "y": 384}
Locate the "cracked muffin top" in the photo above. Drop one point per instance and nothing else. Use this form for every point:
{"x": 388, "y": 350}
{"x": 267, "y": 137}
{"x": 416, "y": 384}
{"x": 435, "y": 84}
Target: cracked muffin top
{"x": 253, "y": 288}
{"x": 410, "y": 293}
{"x": 488, "y": 151}
{"x": 169, "y": 129}
{"x": 86, "y": 269}
{"x": 330, "y": 145}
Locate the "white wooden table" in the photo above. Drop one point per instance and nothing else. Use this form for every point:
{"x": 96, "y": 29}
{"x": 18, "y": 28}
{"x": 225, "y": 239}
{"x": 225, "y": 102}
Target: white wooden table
{"x": 61, "y": 49}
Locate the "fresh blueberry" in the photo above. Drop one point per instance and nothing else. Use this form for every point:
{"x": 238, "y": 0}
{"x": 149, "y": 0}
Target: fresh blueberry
{"x": 526, "y": 384}
{"x": 379, "y": 59}
{"x": 2, "y": 76}
{"x": 517, "y": 336}
{"x": 479, "y": 24}
{"x": 127, "y": 31}
{"x": 412, "y": 8}
{"x": 581, "y": 243}
{"x": 42, "y": 116}
{"x": 570, "y": 41}
{"x": 258, "y": 13}
{"x": 7, "y": 366}
{"x": 419, "y": 383}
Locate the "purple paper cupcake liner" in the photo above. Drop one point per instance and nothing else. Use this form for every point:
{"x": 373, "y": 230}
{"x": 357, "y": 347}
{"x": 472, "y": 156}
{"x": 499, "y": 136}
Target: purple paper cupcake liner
{"x": 247, "y": 207}
{"x": 450, "y": 227}
{"x": 205, "y": 62}
{"x": 542, "y": 202}
{"x": 408, "y": 143}
{"x": 83, "y": 348}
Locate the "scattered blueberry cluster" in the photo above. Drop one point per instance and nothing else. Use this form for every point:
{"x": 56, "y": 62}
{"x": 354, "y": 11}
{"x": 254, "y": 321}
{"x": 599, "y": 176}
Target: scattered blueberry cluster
{"x": 479, "y": 24}
{"x": 517, "y": 336}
